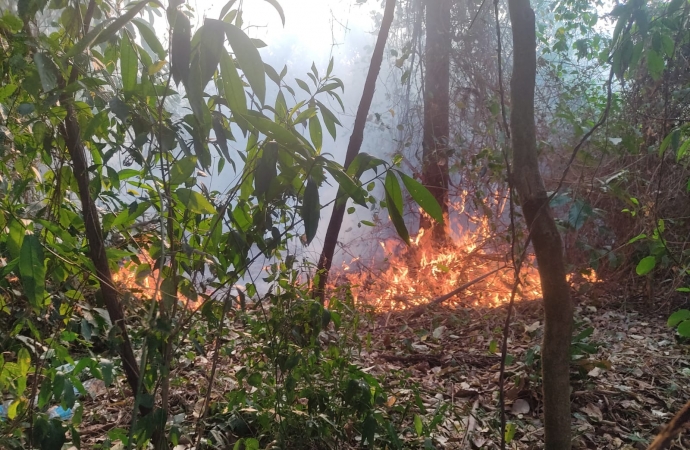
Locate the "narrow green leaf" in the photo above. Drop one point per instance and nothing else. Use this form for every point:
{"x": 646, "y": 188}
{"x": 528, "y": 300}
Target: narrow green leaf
{"x": 32, "y": 271}
{"x": 90, "y": 39}
{"x": 232, "y": 85}
{"x": 221, "y": 138}
{"x": 328, "y": 118}
{"x": 47, "y": 71}
{"x": 348, "y": 185}
{"x": 207, "y": 48}
{"x": 194, "y": 201}
{"x": 150, "y": 38}
{"x": 278, "y": 8}
{"x": 129, "y": 63}
{"x": 672, "y": 138}
{"x": 311, "y": 209}
{"x": 303, "y": 85}
{"x": 395, "y": 206}
{"x": 249, "y": 60}
{"x": 655, "y": 64}
{"x": 682, "y": 150}
{"x": 122, "y": 21}
{"x": 418, "y": 426}
{"x": 423, "y": 197}
{"x": 316, "y": 133}
{"x": 266, "y": 168}
{"x": 646, "y": 265}
{"x": 181, "y": 48}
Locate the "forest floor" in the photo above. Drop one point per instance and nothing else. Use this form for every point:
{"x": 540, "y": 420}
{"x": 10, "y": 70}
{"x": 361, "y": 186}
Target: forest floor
{"x": 630, "y": 377}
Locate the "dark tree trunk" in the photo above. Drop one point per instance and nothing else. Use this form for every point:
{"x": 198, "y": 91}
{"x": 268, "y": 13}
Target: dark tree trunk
{"x": 435, "y": 143}
{"x": 71, "y": 133}
{"x": 353, "y": 148}
{"x": 558, "y": 310}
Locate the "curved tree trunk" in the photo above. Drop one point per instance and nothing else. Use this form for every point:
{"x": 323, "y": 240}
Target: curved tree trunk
{"x": 71, "y": 133}
{"x": 436, "y": 128}
{"x": 353, "y": 148}
{"x": 558, "y": 310}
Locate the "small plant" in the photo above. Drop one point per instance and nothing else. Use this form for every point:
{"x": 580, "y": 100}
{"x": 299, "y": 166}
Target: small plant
{"x": 680, "y": 320}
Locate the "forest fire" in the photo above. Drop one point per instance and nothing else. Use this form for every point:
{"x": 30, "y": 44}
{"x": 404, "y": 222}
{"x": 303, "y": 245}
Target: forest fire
{"x": 417, "y": 275}
{"x": 144, "y": 282}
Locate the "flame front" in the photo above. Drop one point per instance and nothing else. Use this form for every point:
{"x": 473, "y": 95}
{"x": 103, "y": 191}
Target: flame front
{"x": 423, "y": 271}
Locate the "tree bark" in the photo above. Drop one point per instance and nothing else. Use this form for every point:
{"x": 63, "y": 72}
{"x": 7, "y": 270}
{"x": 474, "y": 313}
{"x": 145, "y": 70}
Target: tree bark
{"x": 558, "y": 310}
{"x": 435, "y": 143}
{"x": 331, "y": 239}
{"x": 71, "y": 133}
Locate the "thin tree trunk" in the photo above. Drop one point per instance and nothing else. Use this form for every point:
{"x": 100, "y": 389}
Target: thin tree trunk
{"x": 558, "y": 310}
{"x": 71, "y": 133}
{"x": 436, "y": 128}
{"x": 353, "y": 148}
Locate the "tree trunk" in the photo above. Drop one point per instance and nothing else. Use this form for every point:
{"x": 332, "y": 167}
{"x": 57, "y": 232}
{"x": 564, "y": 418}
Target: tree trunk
{"x": 353, "y": 148}
{"x": 435, "y": 143}
{"x": 71, "y": 133}
{"x": 558, "y": 310}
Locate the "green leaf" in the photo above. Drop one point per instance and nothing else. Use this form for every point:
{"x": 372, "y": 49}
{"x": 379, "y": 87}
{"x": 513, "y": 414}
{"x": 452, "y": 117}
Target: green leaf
{"x": 672, "y": 139}
{"x": 276, "y": 132}
{"x": 315, "y": 132}
{"x": 92, "y": 36}
{"x": 194, "y": 201}
{"x": 120, "y": 22}
{"x": 510, "y": 432}
{"x": 278, "y": 8}
{"x": 32, "y": 271}
{"x": 129, "y": 63}
{"x": 418, "y": 426}
{"x": 232, "y": 85}
{"x": 682, "y": 150}
{"x": 311, "y": 209}
{"x": 15, "y": 238}
{"x": 207, "y": 50}
{"x": 423, "y": 197}
{"x": 646, "y": 265}
{"x": 221, "y": 139}
{"x": 6, "y": 91}
{"x": 363, "y": 162}
{"x": 266, "y": 168}
{"x": 150, "y": 38}
{"x": 255, "y": 379}
{"x": 684, "y": 328}
{"x": 23, "y": 361}
{"x": 369, "y": 430}
{"x": 47, "y": 71}
{"x": 655, "y": 64}
{"x": 329, "y": 119}
{"x": 348, "y": 186}
{"x": 395, "y": 206}
{"x": 183, "y": 169}
{"x": 249, "y": 60}
{"x": 181, "y": 48}
{"x": 678, "y": 316}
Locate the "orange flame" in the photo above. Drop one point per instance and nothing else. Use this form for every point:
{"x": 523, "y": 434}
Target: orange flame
{"x": 145, "y": 282}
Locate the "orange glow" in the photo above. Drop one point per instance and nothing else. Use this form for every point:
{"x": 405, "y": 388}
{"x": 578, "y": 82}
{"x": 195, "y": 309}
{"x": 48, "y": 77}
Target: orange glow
{"x": 417, "y": 275}
{"x": 146, "y": 284}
